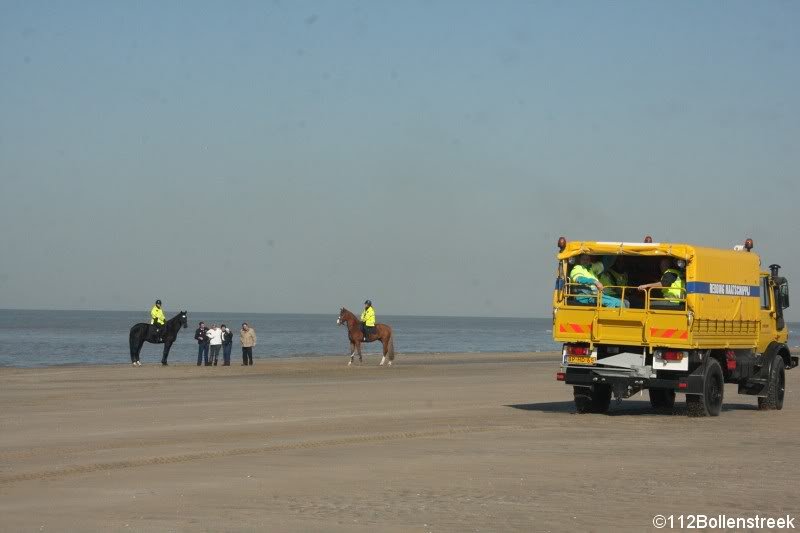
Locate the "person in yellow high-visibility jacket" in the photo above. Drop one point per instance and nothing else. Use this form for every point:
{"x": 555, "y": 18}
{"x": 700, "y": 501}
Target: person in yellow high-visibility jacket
{"x": 672, "y": 285}
{"x": 612, "y": 274}
{"x": 585, "y": 282}
{"x": 157, "y": 319}
{"x": 368, "y": 320}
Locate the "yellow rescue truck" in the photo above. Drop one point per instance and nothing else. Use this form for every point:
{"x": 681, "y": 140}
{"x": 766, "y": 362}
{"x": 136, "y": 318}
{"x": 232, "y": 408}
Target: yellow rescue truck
{"x": 669, "y": 318}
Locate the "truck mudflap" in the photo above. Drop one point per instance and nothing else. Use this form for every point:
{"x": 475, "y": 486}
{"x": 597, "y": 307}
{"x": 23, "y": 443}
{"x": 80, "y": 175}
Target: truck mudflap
{"x": 625, "y": 384}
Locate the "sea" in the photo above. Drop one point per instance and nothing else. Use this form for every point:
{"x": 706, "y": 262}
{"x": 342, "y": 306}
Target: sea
{"x": 51, "y": 338}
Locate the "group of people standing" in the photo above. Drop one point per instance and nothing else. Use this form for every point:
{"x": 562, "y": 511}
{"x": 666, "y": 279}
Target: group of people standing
{"x": 211, "y": 340}
{"x": 221, "y": 337}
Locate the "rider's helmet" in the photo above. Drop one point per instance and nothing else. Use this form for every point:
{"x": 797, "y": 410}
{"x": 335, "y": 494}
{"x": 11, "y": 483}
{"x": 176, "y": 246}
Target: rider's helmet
{"x": 368, "y": 302}
{"x": 158, "y": 302}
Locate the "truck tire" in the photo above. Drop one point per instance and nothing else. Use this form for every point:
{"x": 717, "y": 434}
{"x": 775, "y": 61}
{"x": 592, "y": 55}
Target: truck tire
{"x": 775, "y": 388}
{"x": 594, "y": 399}
{"x": 662, "y": 398}
{"x": 710, "y": 402}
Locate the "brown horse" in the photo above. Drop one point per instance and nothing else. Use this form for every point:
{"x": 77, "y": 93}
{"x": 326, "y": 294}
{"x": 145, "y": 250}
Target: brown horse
{"x": 382, "y": 333}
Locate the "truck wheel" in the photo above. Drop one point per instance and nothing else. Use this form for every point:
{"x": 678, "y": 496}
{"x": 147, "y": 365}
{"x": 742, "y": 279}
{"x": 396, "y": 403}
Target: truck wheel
{"x": 594, "y": 399}
{"x": 775, "y": 388}
{"x": 662, "y": 398}
{"x": 710, "y": 402}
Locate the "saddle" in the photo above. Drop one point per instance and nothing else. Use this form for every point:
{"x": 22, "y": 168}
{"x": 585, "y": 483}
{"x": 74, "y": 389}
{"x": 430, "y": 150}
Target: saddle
{"x": 370, "y": 331}
{"x": 152, "y": 334}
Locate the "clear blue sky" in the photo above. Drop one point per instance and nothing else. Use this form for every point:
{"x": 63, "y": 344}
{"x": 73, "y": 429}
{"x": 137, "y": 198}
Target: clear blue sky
{"x": 301, "y": 156}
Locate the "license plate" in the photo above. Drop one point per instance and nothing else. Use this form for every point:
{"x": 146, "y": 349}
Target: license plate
{"x": 580, "y": 360}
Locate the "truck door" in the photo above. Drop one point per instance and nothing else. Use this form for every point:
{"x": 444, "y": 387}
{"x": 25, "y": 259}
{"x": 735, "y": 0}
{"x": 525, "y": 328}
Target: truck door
{"x": 768, "y": 331}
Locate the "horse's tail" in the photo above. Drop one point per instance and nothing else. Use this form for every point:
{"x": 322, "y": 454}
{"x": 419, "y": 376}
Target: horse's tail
{"x": 390, "y": 351}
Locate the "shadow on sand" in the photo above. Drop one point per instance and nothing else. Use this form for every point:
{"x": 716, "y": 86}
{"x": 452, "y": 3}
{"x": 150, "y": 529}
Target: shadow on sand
{"x": 626, "y": 408}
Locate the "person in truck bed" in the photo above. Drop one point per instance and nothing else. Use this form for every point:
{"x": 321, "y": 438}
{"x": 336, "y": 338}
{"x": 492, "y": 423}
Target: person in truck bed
{"x": 671, "y": 284}
{"x": 613, "y": 274}
{"x": 582, "y": 274}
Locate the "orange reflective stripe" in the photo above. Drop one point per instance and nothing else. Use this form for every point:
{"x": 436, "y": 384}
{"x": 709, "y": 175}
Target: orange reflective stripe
{"x": 669, "y": 333}
{"x": 580, "y": 328}
{"x": 571, "y": 327}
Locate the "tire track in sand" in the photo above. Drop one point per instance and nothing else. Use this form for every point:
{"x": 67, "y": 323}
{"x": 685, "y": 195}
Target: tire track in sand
{"x": 199, "y": 456}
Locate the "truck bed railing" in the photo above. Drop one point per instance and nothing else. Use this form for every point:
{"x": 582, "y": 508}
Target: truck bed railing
{"x": 622, "y": 297}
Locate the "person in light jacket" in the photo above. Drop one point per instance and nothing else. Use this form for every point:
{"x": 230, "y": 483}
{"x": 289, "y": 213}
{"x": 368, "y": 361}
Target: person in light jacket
{"x": 247, "y": 336}
{"x": 215, "y": 340}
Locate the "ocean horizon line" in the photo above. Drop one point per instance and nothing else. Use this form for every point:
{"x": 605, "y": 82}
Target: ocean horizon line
{"x": 277, "y": 313}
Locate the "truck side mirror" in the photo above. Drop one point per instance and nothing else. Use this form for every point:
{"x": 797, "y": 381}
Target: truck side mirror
{"x": 783, "y": 290}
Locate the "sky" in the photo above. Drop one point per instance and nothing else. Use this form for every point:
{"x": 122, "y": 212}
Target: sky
{"x": 297, "y": 157}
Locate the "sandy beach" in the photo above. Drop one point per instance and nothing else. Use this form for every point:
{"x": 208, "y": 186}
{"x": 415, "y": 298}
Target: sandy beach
{"x": 458, "y": 442}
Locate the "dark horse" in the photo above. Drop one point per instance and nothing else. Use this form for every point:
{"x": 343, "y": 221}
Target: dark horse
{"x": 382, "y": 333}
{"x": 142, "y": 332}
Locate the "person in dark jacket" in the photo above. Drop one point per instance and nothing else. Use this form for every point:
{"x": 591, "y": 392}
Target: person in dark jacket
{"x": 227, "y": 344}
{"x": 200, "y": 335}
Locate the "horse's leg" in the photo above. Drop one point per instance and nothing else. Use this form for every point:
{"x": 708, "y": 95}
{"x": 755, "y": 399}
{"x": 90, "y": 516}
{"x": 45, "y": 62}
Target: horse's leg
{"x": 358, "y": 349}
{"x": 139, "y": 346}
{"x": 383, "y": 359}
{"x": 135, "y": 342}
{"x": 132, "y": 343}
{"x": 136, "y": 346}
{"x": 167, "y": 346}
{"x": 352, "y": 352}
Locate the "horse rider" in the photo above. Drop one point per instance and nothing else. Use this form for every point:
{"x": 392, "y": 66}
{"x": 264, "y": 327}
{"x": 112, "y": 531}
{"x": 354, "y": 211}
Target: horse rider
{"x": 367, "y": 320}
{"x": 157, "y": 319}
